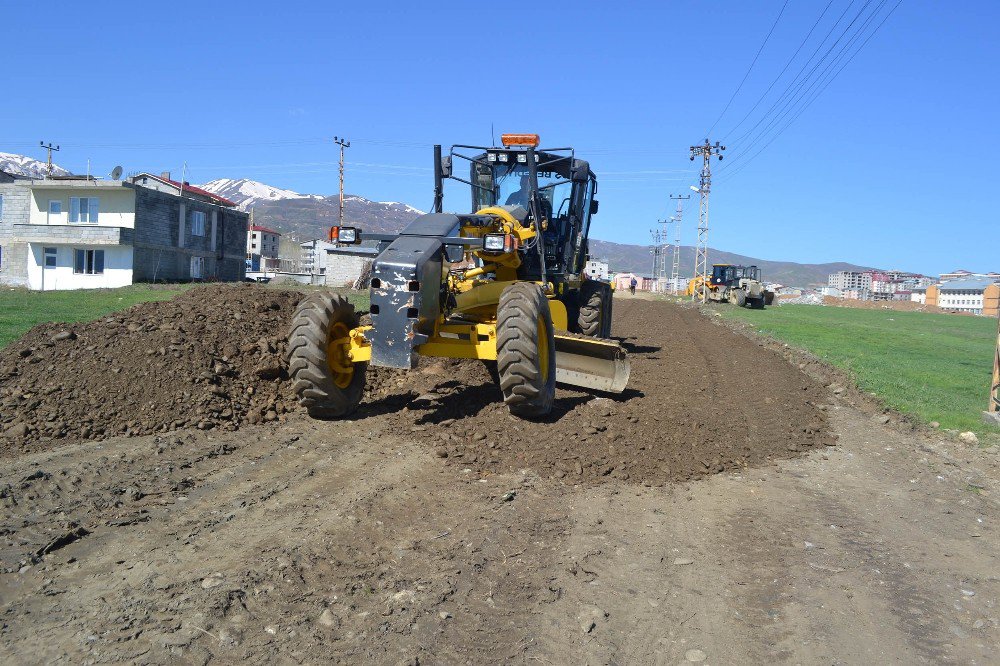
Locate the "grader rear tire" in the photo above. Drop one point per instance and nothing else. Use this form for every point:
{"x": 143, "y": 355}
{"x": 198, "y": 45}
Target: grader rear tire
{"x": 740, "y": 298}
{"x": 526, "y": 360}
{"x": 327, "y": 384}
{"x": 592, "y": 310}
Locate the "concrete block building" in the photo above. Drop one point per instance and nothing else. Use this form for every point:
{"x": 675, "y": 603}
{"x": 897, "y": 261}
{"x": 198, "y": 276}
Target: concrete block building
{"x": 76, "y": 232}
{"x": 344, "y": 265}
{"x": 314, "y": 258}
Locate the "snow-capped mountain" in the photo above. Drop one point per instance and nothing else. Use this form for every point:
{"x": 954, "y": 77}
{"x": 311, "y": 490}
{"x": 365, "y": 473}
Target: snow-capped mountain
{"x": 406, "y": 207}
{"x": 308, "y": 216}
{"x": 21, "y": 165}
{"x": 246, "y": 193}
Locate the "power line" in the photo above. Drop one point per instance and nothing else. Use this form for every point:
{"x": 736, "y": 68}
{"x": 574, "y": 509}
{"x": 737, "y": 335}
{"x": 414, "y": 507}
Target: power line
{"x": 792, "y": 105}
{"x": 795, "y": 81}
{"x": 729, "y": 174}
{"x": 798, "y": 92}
{"x": 749, "y": 69}
{"x": 783, "y": 69}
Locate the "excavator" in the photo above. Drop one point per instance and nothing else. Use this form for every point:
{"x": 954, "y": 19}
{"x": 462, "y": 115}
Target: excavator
{"x": 739, "y": 285}
{"x": 504, "y": 284}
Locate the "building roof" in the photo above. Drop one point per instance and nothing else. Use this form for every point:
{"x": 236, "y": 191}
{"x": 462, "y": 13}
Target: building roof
{"x": 969, "y": 284}
{"x": 257, "y": 227}
{"x": 188, "y": 187}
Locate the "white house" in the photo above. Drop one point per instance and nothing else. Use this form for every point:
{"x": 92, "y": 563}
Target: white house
{"x": 596, "y": 269}
{"x": 76, "y": 232}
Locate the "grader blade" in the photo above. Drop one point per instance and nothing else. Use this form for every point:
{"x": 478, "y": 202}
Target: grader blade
{"x": 592, "y": 363}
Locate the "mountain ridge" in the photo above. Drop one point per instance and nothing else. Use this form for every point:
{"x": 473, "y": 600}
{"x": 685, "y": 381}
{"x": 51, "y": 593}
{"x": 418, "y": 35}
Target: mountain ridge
{"x": 309, "y": 216}
{"x": 22, "y": 165}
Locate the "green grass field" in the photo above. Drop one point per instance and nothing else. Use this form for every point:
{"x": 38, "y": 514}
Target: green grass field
{"x": 935, "y": 367}
{"x": 20, "y": 309}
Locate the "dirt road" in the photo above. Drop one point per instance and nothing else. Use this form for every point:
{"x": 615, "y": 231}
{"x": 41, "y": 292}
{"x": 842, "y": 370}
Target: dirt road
{"x": 706, "y": 517}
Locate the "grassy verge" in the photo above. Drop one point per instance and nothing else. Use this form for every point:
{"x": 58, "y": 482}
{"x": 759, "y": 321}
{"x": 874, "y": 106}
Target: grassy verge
{"x": 935, "y": 367}
{"x": 20, "y": 309}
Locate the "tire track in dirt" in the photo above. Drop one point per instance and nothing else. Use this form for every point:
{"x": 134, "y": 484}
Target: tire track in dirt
{"x": 667, "y": 426}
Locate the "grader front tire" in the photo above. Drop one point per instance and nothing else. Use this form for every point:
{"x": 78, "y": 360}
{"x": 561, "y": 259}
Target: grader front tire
{"x": 526, "y": 361}
{"x": 592, "y": 310}
{"x": 327, "y": 384}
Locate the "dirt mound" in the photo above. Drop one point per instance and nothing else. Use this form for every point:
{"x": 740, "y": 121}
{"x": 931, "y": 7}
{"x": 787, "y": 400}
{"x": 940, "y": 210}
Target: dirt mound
{"x": 209, "y": 358}
{"x": 700, "y": 401}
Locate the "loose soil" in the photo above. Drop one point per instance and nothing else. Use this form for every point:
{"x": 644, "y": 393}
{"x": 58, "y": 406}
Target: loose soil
{"x": 401, "y": 536}
{"x": 209, "y": 358}
{"x": 214, "y": 358}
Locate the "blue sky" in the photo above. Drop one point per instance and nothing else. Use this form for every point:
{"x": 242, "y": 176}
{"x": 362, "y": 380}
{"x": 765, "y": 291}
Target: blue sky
{"x": 891, "y": 166}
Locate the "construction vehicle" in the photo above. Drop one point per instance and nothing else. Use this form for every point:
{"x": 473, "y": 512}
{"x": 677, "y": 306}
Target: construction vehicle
{"x": 504, "y": 284}
{"x": 739, "y": 285}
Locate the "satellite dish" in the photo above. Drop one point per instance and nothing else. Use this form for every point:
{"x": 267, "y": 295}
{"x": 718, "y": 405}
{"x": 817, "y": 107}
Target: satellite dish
{"x": 116, "y": 173}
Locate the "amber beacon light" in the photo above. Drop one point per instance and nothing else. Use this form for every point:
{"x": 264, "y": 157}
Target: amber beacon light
{"x": 520, "y": 140}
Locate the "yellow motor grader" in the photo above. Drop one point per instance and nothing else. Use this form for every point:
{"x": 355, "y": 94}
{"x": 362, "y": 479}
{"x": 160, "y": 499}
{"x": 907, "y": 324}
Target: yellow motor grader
{"x": 505, "y": 284}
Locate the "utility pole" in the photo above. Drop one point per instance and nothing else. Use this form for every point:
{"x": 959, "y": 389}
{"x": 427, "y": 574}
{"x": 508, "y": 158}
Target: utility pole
{"x": 50, "y": 148}
{"x": 706, "y": 151}
{"x": 657, "y": 247}
{"x": 343, "y": 143}
{"x": 675, "y": 269}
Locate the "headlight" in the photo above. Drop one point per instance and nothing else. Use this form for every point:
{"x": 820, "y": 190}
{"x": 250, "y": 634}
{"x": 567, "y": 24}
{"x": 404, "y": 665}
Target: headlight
{"x": 491, "y": 157}
{"x": 502, "y": 157}
{"x": 347, "y": 235}
{"x": 522, "y": 158}
{"x": 499, "y": 243}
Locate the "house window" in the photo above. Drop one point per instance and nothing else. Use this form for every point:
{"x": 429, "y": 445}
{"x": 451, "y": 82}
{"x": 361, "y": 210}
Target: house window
{"x": 197, "y": 267}
{"x": 50, "y": 257}
{"x": 55, "y": 210}
{"x": 83, "y": 210}
{"x": 197, "y": 223}
{"x": 88, "y": 262}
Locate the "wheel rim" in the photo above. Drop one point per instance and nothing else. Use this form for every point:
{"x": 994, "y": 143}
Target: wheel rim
{"x": 543, "y": 349}
{"x": 341, "y": 367}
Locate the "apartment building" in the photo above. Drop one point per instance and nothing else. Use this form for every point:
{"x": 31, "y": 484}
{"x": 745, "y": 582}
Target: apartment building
{"x": 262, "y": 249}
{"x": 859, "y": 281}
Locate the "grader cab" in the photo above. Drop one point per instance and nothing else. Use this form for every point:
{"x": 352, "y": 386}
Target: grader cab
{"x": 504, "y": 284}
